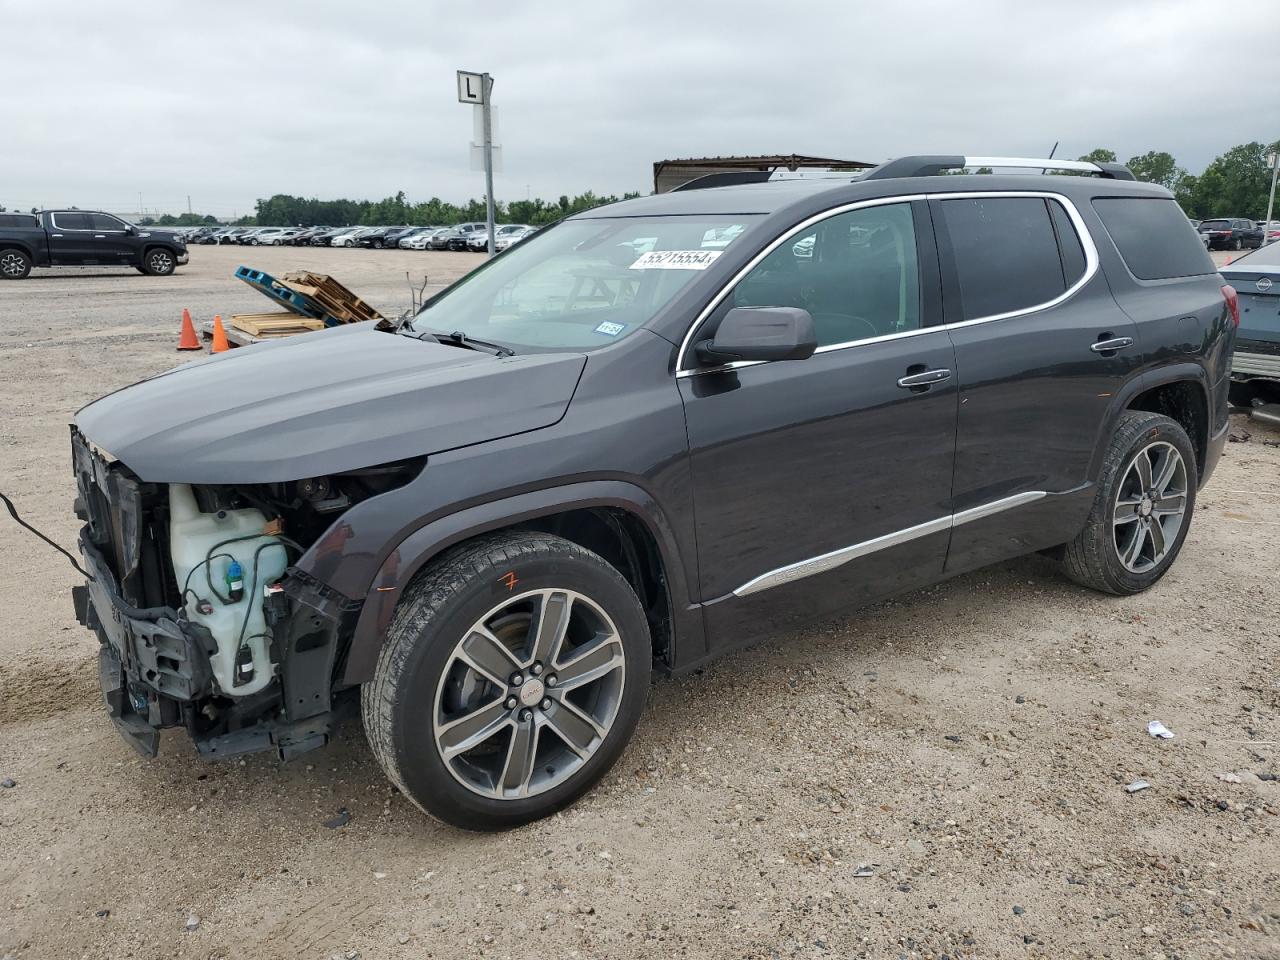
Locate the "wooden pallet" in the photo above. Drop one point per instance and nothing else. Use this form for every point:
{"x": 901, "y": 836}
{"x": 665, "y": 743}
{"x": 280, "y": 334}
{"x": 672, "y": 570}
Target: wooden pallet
{"x": 337, "y": 300}
{"x": 282, "y": 324}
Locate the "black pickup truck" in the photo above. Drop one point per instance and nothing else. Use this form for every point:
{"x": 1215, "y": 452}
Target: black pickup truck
{"x": 78, "y": 238}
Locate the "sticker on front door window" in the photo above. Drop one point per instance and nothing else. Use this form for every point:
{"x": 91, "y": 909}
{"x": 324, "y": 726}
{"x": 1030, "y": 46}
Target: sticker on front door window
{"x": 676, "y": 260}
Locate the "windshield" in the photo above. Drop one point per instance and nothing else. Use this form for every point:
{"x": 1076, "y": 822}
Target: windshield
{"x": 582, "y": 283}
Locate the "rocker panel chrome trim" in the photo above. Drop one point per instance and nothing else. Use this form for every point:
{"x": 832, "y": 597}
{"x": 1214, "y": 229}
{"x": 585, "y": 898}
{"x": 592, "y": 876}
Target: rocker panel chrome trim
{"x": 836, "y": 558}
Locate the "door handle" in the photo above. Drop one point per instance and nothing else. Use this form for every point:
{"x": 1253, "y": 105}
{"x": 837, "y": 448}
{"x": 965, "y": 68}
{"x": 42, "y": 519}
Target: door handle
{"x": 99, "y": 236}
{"x": 925, "y": 379}
{"x": 1112, "y": 345}
{"x": 56, "y": 236}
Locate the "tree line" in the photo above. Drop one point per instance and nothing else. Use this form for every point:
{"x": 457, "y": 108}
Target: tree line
{"x": 1235, "y": 184}
{"x": 283, "y": 210}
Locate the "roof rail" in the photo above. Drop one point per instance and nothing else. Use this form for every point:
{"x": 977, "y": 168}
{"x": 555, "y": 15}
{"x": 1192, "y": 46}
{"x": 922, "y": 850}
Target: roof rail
{"x": 932, "y": 166}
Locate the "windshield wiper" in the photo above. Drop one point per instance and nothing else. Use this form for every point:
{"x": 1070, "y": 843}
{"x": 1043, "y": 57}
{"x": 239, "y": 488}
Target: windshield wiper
{"x": 460, "y": 339}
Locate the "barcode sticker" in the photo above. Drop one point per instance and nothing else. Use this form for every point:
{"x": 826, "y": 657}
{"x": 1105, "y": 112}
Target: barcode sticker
{"x": 676, "y": 260}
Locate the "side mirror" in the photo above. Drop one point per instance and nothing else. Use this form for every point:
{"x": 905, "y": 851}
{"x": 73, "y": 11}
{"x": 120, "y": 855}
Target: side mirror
{"x": 130, "y": 229}
{"x": 761, "y": 333}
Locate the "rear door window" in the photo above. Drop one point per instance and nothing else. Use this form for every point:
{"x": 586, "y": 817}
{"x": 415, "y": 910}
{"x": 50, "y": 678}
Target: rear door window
{"x": 1006, "y": 254}
{"x": 1154, "y": 238}
{"x": 72, "y": 221}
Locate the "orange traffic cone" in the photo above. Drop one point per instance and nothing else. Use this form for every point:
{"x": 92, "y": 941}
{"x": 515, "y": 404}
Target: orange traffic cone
{"x": 188, "y": 340}
{"x": 220, "y": 344}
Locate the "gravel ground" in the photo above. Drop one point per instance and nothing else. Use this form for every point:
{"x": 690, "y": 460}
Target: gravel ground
{"x": 939, "y": 775}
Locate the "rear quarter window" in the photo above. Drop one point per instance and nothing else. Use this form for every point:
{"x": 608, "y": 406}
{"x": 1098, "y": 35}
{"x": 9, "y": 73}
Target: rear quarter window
{"x": 1153, "y": 237}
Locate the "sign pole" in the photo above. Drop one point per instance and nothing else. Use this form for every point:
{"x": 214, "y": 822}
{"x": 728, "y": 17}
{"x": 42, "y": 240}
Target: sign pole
{"x": 488, "y": 156}
{"x": 1275, "y": 168}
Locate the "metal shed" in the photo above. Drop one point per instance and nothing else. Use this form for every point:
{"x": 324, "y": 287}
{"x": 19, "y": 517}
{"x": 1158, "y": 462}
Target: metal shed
{"x": 669, "y": 174}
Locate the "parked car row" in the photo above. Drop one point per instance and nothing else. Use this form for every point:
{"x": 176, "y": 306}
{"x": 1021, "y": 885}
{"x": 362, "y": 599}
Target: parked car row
{"x": 463, "y": 236}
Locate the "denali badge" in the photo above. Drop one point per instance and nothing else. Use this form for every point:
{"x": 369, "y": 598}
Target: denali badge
{"x": 1263, "y": 284}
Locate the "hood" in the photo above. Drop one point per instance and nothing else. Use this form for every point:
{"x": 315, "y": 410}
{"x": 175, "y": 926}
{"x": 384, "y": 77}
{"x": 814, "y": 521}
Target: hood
{"x": 324, "y": 402}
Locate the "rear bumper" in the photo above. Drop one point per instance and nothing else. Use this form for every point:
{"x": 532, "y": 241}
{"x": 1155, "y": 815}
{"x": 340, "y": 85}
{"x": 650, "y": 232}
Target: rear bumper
{"x": 1245, "y": 364}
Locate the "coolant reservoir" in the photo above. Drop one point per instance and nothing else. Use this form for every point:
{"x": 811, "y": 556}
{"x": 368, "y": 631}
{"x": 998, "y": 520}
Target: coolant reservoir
{"x": 199, "y": 540}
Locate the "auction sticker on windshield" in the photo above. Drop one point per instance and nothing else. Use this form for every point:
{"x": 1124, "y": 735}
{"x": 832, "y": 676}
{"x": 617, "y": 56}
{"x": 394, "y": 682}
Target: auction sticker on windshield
{"x": 676, "y": 260}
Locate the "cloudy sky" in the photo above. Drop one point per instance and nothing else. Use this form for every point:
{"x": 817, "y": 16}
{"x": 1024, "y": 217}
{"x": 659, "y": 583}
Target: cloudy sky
{"x": 230, "y": 101}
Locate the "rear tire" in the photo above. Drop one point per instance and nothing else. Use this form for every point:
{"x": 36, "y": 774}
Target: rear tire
{"x": 14, "y": 264}
{"x": 484, "y": 717}
{"x": 1142, "y": 508}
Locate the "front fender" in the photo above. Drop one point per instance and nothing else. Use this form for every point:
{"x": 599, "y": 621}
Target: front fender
{"x": 427, "y": 542}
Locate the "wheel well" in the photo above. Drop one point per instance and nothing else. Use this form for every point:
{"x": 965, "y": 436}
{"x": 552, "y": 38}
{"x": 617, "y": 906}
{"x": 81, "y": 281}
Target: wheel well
{"x": 1184, "y": 401}
{"x": 17, "y": 246}
{"x": 624, "y": 541}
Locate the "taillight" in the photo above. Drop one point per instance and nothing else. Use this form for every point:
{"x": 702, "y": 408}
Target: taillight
{"x": 1233, "y": 302}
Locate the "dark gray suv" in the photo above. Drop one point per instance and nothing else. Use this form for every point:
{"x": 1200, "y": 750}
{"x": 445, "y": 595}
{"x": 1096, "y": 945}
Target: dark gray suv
{"x": 653, "y": 433}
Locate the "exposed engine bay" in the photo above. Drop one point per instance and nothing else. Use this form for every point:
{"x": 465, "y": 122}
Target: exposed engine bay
{"x": 204, "y": 621}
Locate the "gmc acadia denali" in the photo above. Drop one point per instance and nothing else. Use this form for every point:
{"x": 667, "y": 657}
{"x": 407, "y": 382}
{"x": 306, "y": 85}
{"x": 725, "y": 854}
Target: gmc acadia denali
{"x": 655, "y": 432}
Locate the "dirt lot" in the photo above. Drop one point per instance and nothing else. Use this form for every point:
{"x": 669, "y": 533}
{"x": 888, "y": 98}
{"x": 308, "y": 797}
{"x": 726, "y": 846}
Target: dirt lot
{"x": 968, "y": 745}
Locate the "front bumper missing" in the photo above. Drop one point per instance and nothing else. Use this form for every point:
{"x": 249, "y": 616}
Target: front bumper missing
{"x": 154, "y": 670}
{"x": 150, "y": 663}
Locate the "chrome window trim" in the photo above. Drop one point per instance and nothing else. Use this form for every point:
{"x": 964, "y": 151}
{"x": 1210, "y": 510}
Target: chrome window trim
{"x": 123, "y": 228}
{"x": 1086, "y": 243}
{"x": 53, "y": 219}
{"x": 836, "y": 558}
{"x": 755, "y": 261}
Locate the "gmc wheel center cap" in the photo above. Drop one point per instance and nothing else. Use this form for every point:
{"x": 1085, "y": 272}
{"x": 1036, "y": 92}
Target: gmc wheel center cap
{"x": 531, "y": 691}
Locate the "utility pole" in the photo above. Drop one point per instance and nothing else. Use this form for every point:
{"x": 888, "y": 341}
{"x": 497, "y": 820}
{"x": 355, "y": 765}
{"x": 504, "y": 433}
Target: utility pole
{"x": 1271, "y": 199}
{"x": 488, "y": 159}
{"x": 188, "y": 204}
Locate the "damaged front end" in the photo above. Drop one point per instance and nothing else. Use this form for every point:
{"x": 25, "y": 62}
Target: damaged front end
{"x": 204, "y": 621}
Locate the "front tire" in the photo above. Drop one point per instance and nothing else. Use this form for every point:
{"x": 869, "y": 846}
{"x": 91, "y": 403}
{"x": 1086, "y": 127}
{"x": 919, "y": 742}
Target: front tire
{"x": 514, "y": 672}
{"x": 14, "y": 264}
{"x": 1142, "y": 508}
{"x": 158, "y": 262}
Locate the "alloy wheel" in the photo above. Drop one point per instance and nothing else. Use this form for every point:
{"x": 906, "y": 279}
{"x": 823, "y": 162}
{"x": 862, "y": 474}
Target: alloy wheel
{"x": 529, "y": 694}
{"x": 160, "y": 262}
{"x": 1150, "y": 507}
{"x": 12, "y": 265}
